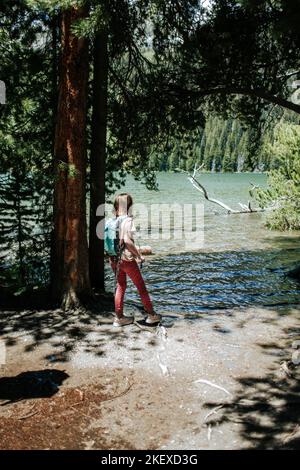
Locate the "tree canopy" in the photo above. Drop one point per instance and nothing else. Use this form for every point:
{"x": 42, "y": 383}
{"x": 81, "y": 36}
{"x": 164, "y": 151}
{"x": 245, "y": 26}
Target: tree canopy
{"x": 184, "y": 81}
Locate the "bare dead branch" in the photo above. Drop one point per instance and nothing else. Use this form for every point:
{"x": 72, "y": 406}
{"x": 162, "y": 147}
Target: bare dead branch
{"x": 245, "y": 208}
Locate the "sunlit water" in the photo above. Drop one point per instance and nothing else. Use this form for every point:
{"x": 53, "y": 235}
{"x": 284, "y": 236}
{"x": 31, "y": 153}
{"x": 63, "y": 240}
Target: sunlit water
{"x": 241, "y": 263}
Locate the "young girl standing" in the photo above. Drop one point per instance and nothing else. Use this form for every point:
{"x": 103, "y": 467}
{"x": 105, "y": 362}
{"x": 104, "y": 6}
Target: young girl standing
{"x": 127, "y": 264}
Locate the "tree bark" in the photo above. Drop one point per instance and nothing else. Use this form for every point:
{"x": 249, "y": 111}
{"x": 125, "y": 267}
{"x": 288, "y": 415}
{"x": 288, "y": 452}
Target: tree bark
{"x": 70, "y": 273}
{"x": 54, "y": 45}
{"x": 97, "y": 163}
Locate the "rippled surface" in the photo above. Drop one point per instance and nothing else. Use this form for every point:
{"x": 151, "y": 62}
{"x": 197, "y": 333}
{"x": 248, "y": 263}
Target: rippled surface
{"x": 240, "y": 264}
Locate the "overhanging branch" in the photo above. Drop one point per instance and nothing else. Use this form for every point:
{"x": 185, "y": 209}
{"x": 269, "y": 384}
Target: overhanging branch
{"x": 237, "y": 90}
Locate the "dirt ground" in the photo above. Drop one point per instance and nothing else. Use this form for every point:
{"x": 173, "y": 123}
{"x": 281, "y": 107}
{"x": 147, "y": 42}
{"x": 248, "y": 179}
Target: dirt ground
{"x": 220, "y": 380}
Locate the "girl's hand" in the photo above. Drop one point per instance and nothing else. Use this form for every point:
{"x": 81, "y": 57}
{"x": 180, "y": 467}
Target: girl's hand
{"x": 145, "y": 250}
{"x": 140, "y": 259}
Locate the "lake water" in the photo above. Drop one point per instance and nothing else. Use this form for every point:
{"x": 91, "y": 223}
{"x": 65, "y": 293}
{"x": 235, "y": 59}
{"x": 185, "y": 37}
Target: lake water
{"x": 241, "y": 263}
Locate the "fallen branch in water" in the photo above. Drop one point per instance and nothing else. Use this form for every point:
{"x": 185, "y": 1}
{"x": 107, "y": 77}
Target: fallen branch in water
{"x": 246, "y": 208}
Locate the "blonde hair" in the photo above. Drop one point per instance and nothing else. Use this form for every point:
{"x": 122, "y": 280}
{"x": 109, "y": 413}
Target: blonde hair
{"x": 122, "y": 203}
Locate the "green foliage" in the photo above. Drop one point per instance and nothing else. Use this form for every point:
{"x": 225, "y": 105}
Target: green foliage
{"x": 70, "y": 169}
{"x": 53, "y": 5}
{"x": 235, "y": 59}
{"x": 25, "y": 149}
{"x": 165, "y": 57}
{"x": 222, "y": 145}
{"x": 283, "y": 192}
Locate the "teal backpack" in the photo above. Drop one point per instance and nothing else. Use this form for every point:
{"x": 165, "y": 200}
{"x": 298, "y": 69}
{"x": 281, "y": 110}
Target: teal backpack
{"x": 111, "y": 236}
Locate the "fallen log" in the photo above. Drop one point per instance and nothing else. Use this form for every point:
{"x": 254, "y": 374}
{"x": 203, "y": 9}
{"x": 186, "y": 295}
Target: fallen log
{"x": 245, "y": 208}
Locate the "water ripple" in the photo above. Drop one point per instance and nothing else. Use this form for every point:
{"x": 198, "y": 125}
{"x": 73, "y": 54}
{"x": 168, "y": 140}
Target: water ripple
{"x": 194, "y": 282}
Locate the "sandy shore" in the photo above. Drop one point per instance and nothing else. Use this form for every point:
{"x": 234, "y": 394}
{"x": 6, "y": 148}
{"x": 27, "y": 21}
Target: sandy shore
{"x": 223, "y": 380}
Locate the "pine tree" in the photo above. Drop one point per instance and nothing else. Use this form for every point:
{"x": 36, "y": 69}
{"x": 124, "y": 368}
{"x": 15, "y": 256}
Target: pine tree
{"x": 98, "y": 156}
{"x": 25, "y": 145}
{"x": 283, "y": 191}
{"x": 70, "y": 268}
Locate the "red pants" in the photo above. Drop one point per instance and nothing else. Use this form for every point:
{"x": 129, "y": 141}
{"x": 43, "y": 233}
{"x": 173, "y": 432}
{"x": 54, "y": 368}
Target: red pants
{"x": 131, "y": 269}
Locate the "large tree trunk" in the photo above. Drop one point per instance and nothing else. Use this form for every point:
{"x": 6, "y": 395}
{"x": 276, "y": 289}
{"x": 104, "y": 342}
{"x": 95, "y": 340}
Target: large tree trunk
{"x": 70, "y": 272}
{"x": 54, "y": 45}
{"x": 98, "y": 156}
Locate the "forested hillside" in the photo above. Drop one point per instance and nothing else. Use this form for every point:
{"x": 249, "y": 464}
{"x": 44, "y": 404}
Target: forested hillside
{"x": 223, "y": 145}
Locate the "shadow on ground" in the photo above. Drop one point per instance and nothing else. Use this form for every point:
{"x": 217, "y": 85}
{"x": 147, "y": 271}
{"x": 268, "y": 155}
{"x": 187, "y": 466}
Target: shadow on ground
{"x": 31, "y": 384}
{"x": 62, "y": 333}
{"x": 267, "y": 408}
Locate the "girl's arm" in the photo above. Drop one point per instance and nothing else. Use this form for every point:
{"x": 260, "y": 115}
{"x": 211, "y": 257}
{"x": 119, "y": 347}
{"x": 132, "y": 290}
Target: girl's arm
{"x": 133, "y": 249}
